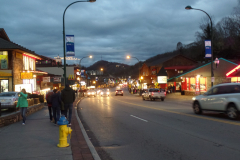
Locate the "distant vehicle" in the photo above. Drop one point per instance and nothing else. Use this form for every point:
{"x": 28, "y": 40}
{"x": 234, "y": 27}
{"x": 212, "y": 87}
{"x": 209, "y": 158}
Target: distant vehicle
{"x": 105, "y": 92}
{"x": 220, "y": 98}
{"x": 8, "y": 100}
{"x": 119, "y": 92}
{"x": 98, "y": 91}
{"x": 153, "y": 93}
{"x": 91, "y": 92}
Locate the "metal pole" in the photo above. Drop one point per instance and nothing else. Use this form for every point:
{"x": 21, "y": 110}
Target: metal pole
{"x": 211, "y": 37}
{"x": 80, "y": 75}
{"x": 64, "y": 47}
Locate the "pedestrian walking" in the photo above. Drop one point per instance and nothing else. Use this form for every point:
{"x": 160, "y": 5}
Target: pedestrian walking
{"x": 56, "y": 105}
{"x": 49, "y": 104}
{"x": 68, "y": 97}
{"x": 23, "y": 104}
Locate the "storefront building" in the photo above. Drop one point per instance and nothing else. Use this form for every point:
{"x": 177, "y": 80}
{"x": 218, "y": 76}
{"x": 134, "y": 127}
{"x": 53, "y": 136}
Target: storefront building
{"x": 173, "y": 65}
{"x": 198, "y": 80}
{"x": 17, "y": 66}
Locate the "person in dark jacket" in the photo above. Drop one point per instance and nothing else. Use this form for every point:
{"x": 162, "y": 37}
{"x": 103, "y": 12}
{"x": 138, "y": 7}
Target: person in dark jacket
{"x": 56, "y": 105}
{"x": 68, "y": 97}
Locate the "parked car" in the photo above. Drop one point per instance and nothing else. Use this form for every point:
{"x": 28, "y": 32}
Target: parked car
{"x": 91, "y": 93}
{"x": 8, "y": 100}
{"x": 105, "y": 92}
{"x": 220, "y": 98}
{"x": 153, "y": 93}
{"x": 119, "y": 92}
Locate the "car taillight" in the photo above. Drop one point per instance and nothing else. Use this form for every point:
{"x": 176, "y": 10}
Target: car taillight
{"x": 165, "y": 93}
{"x": 152, "y": 93}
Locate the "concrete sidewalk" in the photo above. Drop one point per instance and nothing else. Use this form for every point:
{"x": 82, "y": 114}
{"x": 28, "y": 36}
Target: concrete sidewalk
{"x": 36, "y": 140}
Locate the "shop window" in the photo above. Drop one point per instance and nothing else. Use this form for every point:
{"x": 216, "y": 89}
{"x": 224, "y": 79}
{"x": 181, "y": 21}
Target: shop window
{"x": 180, "y": 71}
{"x": 4, "y": 86}
{"x": 203, "y": 83}
{"x": 4, "y": 59}
{"x": 28, "y": 63}
{"x": 187, "y": 83}
{"x": 192, "y": 84}
{"x": 235, "y": 79}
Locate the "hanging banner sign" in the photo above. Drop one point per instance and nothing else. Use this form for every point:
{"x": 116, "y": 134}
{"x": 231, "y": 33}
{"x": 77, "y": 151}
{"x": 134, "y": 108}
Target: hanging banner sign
{"x": 70, "y": 45}
{"x": 208, "y": 49}
{"x": 82, "y": 73}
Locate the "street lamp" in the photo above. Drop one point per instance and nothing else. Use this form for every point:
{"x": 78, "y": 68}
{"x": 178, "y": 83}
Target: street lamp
{"x": 188, "y": 8}
{"x": 80, "y": 67}
{"x": 128, "y": 57}
{"x": 64, "y": 47}
{"x": 81, "y": 60}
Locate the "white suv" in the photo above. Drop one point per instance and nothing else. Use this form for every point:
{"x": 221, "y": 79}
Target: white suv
{"x": 221, "y": 98}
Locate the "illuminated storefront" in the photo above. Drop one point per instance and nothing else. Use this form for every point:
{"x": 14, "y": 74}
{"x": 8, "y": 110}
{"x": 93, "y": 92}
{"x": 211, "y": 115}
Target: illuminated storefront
{"x": 198, "y": 80}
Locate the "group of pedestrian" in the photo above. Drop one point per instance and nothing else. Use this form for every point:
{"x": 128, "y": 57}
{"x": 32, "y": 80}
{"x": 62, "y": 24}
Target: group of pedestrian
{"x": 57, "y": 102}
{"x": 171, "y": 88}
{"x": 60, "y": 102}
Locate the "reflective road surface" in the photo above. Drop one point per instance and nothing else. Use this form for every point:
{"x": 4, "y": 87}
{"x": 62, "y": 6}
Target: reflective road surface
{"x": 128, "y": 128}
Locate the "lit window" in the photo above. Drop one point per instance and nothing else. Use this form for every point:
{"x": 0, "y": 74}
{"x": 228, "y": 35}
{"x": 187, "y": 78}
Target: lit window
{"x": 3, "y": 59}
{"x": 28, "y": 63}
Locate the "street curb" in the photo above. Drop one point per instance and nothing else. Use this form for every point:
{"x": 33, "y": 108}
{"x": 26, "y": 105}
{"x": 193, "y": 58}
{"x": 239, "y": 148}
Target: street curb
{"x": 89, "y": 143}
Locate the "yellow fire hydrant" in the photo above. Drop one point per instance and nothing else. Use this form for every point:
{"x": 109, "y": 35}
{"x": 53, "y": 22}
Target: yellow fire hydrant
{"x": 64, "y": 131}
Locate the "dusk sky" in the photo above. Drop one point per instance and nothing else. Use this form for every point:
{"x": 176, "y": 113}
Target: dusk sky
{"x": 108, "y": 28}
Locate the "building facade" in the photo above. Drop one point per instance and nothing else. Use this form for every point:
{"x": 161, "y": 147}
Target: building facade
{"x": 17, "y": 66}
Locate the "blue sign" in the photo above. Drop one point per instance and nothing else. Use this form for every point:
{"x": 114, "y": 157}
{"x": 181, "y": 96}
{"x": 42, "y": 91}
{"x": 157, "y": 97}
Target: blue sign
{"x": 208, "y": 49}
{"x": 82, "y": 73}
{"x": 70, "y": 45}
{"x": 96, "y": 78}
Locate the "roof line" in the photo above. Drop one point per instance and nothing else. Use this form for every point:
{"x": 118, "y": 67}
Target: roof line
{"x": 203, "y": 66}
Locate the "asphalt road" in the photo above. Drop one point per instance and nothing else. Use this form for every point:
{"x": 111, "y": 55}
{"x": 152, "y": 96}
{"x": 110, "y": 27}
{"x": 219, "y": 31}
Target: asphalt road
{"x": 126, "y": 127}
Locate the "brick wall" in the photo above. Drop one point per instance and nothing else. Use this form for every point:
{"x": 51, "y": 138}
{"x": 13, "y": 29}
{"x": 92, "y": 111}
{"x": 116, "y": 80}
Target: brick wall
{"x": 17, "y": 69}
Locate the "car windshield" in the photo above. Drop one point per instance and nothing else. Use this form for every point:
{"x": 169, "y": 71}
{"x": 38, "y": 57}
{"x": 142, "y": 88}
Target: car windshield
{"x": 7, "y": 94}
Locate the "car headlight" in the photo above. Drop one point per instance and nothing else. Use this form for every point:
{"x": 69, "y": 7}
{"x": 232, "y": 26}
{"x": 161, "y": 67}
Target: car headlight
{"x": 88, "y": 93}
{"x": 101, "y": 92}
{"x": 107, "y": 92}
{"x": 193, "y": 98}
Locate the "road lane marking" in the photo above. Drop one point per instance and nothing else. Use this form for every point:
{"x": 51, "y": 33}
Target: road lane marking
{"x": 185, "y": 114}
{"x": 139, "y": 118}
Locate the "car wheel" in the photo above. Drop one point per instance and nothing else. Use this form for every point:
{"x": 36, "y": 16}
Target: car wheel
{"x": 232, "y": 111}
{"x": 196, "y": 108}
{"x": 150, "y": 98}
{"x": 162, "y": 99}
{"x": 143, "y": 98}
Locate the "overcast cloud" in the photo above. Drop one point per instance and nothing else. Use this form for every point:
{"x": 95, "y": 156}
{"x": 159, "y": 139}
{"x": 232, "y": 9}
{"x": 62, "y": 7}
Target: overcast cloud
{"x": 108, "y": 28}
